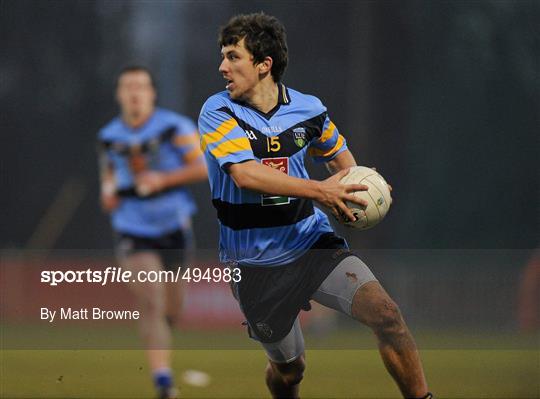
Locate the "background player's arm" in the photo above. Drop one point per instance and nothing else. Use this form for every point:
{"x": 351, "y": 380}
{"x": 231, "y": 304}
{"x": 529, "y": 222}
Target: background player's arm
{"x": 108, "y": 197}
{"x": 331, "y": 193}
{"x": 192, "y": 172}
{"x": 193, "y": 169}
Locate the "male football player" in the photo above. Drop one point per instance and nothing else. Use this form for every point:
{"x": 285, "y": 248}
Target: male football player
{"x": 255, "y": 135}
{"x": 148, "y": 157}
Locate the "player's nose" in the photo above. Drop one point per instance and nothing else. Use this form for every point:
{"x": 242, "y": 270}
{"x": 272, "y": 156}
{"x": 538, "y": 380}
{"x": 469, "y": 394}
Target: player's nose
{"x": 223, "y": 67}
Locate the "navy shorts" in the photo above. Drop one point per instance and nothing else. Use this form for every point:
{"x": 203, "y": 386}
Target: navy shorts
{"x": 272, "y": 297}
{"x": 172, "y": 248}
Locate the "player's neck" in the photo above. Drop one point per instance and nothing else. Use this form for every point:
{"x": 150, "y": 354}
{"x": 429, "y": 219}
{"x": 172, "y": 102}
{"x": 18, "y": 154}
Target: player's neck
{"x": 137, "y": 119}
{"x": 265, "y": 96}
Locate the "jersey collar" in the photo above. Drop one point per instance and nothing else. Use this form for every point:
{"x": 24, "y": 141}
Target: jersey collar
{"x": 283, "y": 99}
{"x": 283, "y": 95}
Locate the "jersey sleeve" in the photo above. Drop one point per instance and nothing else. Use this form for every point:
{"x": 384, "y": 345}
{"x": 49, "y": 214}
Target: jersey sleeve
{"x": 186, "y": 141}
{"x": 222, "y": 139}
{"x": 329, "y": 144}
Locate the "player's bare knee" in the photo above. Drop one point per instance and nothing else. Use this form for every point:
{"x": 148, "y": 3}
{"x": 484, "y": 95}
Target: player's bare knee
{"x": 387, "y": 318}
{"x": 291, "y": 373}
{"x": 374, "y": 307}
{"x": 293, "y": 378}
{"x": 153, "y": 302}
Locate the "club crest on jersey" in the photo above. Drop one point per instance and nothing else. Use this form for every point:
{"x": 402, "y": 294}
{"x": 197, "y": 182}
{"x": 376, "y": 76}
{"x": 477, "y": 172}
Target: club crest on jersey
{"x": 300, "y": 136}
{"x": 281, "y": 164}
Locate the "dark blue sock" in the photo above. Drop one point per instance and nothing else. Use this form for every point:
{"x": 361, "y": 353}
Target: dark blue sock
{"x": 163, "y": 378}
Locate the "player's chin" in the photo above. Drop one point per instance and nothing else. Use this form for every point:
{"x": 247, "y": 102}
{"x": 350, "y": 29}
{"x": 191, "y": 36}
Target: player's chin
{"x": 234, "y": 95}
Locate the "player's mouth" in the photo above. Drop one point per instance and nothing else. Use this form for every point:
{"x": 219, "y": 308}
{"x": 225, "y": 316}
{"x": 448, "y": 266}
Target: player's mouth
{"x": 230, "y": 85}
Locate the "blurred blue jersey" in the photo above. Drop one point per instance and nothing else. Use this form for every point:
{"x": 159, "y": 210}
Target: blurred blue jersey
{"x": 163, "y": 143}
{"x": 258, "y": 229}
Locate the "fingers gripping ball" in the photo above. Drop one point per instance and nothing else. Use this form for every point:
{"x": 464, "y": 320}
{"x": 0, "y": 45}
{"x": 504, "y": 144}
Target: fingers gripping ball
{"x": 377, "y": 196}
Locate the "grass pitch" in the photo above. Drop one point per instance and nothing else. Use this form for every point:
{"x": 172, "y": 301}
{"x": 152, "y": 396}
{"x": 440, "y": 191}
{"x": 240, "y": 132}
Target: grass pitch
{"x": 238, "y": 372}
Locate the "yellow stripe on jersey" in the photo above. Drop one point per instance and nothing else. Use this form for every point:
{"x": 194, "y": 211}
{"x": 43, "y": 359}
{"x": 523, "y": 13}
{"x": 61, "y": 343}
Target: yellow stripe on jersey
{"x": 328, "y": 133}
{"x": 315, "y": 152}
{"x": 186, "y": 140}
{"x": 220, "y": 132}
{"x": 230, "y": 147}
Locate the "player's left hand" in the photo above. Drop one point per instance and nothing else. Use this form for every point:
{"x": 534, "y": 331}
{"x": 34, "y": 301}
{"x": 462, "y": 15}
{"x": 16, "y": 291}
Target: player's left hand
{"x": 150, "y": 182}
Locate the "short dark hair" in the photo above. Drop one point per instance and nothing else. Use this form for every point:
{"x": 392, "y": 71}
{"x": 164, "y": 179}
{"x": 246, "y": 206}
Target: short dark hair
{"x": 136, "y": 68}
{"x": 264, "y": 37}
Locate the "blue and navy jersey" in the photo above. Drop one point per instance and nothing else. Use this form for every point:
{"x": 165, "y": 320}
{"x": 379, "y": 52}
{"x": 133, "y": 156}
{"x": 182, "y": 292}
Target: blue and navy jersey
{"x": 259, "y": 229}
{"x": 167, "y": 141}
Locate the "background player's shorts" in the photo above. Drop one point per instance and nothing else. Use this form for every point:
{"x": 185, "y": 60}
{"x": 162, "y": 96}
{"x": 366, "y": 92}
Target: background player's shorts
{"x": 173, "y": 248}
{"x": 337, "y": 292}
{"x": 272, "y": 297}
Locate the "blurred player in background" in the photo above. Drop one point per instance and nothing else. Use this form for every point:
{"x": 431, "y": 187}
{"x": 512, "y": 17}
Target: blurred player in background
{"x": 255, "y": 136}
{"x": 148, "y": 157}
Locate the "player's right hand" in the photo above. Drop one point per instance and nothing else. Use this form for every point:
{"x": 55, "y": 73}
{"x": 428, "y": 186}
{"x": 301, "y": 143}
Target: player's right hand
{"x": 109, "y": 202}
{"x": 334, "y": 195}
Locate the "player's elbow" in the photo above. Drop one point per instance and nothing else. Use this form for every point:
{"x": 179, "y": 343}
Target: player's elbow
{"x": 203, "y": 171}
{"x": 241, "y": 180}
{"x": 240, "y": 177}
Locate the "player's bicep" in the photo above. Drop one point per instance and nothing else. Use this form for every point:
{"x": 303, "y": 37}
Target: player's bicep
{"x": 223, "y": 139}
{"x": 187, "y": 145}
{"x": 328, "y": 145}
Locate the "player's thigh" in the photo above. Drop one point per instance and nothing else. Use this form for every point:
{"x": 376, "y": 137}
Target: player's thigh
{"x": 177, "y": 249}
{"x": 176, "y": 252}
{"x": 288, "y": 349}
{"x": 145, "y": 266}
{"x": 338, "y": 290}
{"x": 174, "y": 293}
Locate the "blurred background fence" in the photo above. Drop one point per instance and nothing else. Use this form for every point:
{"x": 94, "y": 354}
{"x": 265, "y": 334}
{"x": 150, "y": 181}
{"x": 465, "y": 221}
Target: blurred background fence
{"x": 442, "y": 96}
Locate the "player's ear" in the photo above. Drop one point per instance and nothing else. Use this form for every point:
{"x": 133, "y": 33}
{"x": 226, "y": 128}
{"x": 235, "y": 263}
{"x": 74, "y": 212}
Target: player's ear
{"x": 266, "y": 65}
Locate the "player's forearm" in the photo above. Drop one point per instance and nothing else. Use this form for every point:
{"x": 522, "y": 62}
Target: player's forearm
{"x": 253, "y": 176}
{"x": 107, "y": 181}
{"x": 192, "y": 173}
{"x": 108, "y": 198}
{"x": 106, "y": 175}
{"x": 343, "y": 160}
